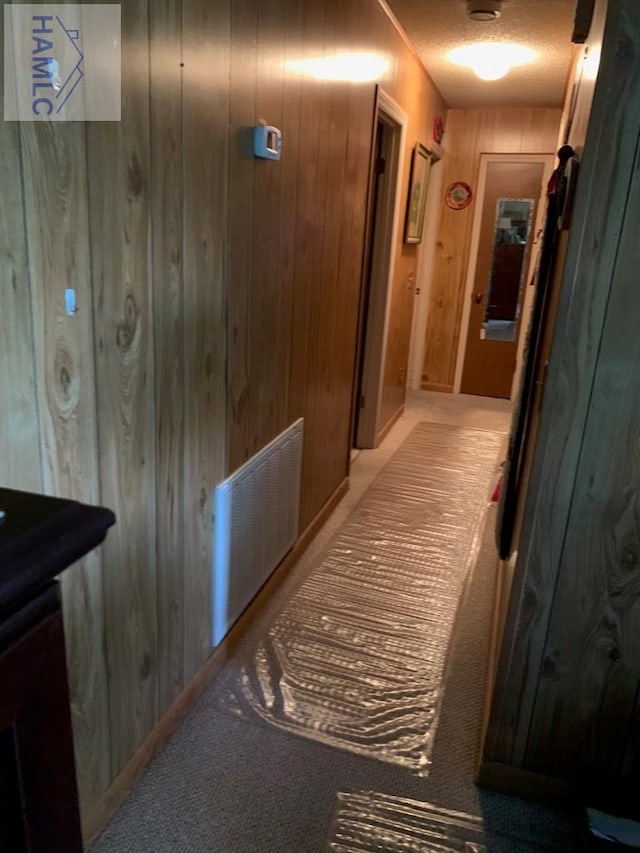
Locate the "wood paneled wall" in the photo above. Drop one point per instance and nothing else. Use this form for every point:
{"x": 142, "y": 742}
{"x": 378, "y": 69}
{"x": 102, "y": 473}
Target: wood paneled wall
{"x": 56, "y": 210}
{"x": 470, "y": 133}
{"x": 20, "y": 456}
{"x": 297, "y": 229}
{"x": 217, "y": 301}
{"x": 123, "y": 403}
{"x": 566, "y": 701}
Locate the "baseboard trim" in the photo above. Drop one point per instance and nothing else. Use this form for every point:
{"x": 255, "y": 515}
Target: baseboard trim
{"x": 305, "y": 538}
{"x": 433, "y": 386}
{"x": 97, "y": 817}
{"x": 517, "y": 782}
{"x": 386, "y": 429}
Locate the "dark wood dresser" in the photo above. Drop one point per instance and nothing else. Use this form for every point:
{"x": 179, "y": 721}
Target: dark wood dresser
{"x": 39, "y": 538}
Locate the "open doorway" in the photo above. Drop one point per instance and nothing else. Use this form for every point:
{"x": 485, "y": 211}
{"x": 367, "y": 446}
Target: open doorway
{"x": 383, "y": 216}
{"x": 498, "y": 296}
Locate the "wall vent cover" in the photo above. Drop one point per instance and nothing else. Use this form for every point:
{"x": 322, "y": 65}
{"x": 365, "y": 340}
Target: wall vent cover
{"x": 255, "y": 525}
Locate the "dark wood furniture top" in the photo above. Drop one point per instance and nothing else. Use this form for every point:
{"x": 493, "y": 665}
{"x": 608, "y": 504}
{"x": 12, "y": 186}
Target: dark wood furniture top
{"x": 39, "y": 537}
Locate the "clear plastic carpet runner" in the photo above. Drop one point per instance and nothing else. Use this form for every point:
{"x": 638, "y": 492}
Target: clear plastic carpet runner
{"x": 356, "y": 659}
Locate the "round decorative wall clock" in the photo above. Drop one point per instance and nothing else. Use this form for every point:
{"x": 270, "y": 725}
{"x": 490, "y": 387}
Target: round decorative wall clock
{"x": 458, "y": 195}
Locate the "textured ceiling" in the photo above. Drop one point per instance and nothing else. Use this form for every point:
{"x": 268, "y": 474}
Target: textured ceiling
{"x": 437, "y": 26}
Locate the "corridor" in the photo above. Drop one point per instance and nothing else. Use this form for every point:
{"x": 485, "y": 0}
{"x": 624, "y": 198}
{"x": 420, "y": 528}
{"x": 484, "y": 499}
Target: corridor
{"x": 303, "y": 742}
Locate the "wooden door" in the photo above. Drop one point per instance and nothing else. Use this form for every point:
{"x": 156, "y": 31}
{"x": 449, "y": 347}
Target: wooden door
{"x": 384, "y": 217}
{"x": 509, "y": 210}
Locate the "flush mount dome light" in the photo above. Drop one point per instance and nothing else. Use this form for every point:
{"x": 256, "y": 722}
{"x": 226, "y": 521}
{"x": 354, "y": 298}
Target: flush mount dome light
{"x": 484, "y": 10}
{"x": 491, "y": 60}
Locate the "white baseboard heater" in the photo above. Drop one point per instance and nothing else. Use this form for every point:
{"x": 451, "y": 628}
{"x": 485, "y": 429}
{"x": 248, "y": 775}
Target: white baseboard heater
{"x": 255, "y": 525}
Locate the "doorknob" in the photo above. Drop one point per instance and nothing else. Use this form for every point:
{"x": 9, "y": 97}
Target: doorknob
{"x": 478, "y": 298}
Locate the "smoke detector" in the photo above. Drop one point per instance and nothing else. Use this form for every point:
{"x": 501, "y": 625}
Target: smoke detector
{"x": 484, "y": 10}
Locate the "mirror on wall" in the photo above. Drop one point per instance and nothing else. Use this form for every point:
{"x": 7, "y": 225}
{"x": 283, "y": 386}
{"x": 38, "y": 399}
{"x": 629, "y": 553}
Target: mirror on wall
{"x": 508, "y": 268}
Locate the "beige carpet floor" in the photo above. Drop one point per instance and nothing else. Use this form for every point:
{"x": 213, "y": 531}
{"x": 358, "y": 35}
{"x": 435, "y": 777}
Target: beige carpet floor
{"x": 271, "y": 759}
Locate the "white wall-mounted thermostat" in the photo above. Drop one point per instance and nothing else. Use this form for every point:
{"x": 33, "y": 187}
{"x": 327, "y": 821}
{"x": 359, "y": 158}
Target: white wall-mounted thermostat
{"x": 267, "y": 142}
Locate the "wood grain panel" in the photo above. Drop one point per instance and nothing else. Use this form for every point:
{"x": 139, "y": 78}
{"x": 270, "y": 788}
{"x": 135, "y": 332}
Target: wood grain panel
{"x": 556, "y": 473}
{"x": 294, "y": 151}
{"x": 325, "y": 383}
{"x": 318, "y": 345}
{"x": 19, "y": 434}
{"x": 165, "y": 32}
{"x": 206, "y": 38}
{"x": 587, "y": 690}
{"x": 264, "y": 285}
{"x": 242, "y": 118}
{"x": 470, "y": 133}
{"x": 120, "y": 199}
{"x": 56, "y": 216}
{"x": 309, "y": 222}
{"x": 587, "y": 693}
{"x": 454, "y": 235}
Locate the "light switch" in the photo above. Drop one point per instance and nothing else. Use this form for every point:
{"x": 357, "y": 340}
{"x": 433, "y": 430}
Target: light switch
{"x": 70, "y": 301}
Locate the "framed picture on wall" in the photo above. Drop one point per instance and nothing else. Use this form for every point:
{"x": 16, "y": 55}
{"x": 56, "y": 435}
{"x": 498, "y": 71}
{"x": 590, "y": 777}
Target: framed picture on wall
{"x": 417, "y": 197}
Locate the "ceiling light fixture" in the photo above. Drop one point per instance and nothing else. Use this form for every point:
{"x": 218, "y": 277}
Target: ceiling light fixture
{"x": 491, "y": 60}
{"x": 484, "y": 10}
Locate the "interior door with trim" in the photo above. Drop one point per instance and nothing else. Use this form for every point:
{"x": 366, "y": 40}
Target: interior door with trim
{"x": 509, "y": 209}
